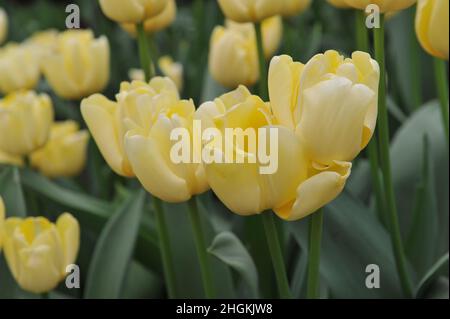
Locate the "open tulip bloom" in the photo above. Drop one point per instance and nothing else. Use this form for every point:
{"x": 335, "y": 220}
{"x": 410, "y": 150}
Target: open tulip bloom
{"x": 224, "y": 149}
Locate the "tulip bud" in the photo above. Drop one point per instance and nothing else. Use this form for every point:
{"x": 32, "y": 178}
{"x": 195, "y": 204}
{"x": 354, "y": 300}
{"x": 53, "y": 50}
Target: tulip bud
{"x": 294, "y": 7}
{"x": 251, "y": 10}
{"x": 384, "y": 5}
{"x": 19, "y": 68}
{"x": 3, "y": 25}
{"x": 38, "y": 251}
{"x": 330, "y": 95}
{"x": 432, "y": 27}
{"x": 64, "y": 154}
{"x": 108, "y": 121}
{"x": 233, "y": 58}
{"x": 80, "y": 65}
{"x": 158, "y": 22}
{"x": 172, "y": 70}
{"x": 8, "y": 159}
{"x": 42, "y": 44}
{"x": 148, "y": 143}
{"x": 25, "y": 120}
{"x": 132, "y": 11}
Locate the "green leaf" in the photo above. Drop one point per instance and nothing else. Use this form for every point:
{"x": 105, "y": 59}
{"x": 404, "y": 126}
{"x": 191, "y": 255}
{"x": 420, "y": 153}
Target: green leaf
{"x": 114, "y": 250}
{"x": 12, "y": 193}
{"x": 229, "y": 249}
{"x": 438, "y": 289}
{"x": 438, "y": 269}
{"x": 352, "y": 239}
{"x": 407, "y": 163}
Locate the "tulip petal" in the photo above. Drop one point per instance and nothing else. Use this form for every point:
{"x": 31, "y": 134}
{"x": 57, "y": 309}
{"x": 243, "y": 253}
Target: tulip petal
{"x": 69, "y": 232}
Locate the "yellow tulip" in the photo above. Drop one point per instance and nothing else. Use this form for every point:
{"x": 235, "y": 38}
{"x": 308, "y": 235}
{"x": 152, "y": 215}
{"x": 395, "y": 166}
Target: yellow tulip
{"x": 172, "y": 70}
{"x": 148, "y": 144}
{"x": 38, "y": 251}
{"x": 296, "y": 189}
{"x": 250, "y": 10}
{"x": 8, "y": 159}
{"x": 64, "y": 154}
{"x": 19, "y": 68}
{"x": 331, "y": 102}
{"x": 132, "y": 11}
{"x": 3, "y": 25}
{"x": 108, "y": 121}
{"x": 339, "y": 3}
{"x": 2, "y": 220}
{"x": 80, "y": 65}
{"x": 43, "y": 44}
{"x": 25, "y": 120}
{"x": 294, "y": 7}
{"x": 432, "y": 26}
{"x": 158, "y": 22}
{"x": 233, "y": 57}
{"x": 384, "y": 5}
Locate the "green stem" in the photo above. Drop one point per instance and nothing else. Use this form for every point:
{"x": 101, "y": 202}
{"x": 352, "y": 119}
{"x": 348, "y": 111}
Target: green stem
{"x": 200, "y": 244}
{"x": 440, "y": 68}
{"x": 383, "y": 131}
{"x": 144, "y": 52}
{"x": 277, "y": 257}
{"x": 315, "y": 240}
{"x": 363, "y": 44}
{"x": 263, "y": 91}
{"x": 165, "y": 249}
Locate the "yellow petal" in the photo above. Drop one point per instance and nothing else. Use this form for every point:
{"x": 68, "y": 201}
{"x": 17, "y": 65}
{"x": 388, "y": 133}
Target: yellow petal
{"x": 69, "y": 232}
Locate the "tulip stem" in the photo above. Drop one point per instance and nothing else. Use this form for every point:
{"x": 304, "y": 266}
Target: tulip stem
{"x": 442, "y": 87}
{"x": 144, "y": 52}
{"x": 315, "y": 240}
{"x": 277, "y": 257}
{"x": 383, "y": 132}
{"x": 165, "y": 248}
{"x": 200, "y": 244}
{"x": 263, "y": 91}
{"x": 363, "y": 44}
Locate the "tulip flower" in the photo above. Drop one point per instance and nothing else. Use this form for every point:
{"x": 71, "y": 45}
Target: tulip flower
{"x": 80, "y": 65}
{"x": 19, "y": 68}
{"x": 294, "y": 7}
{"x": 150, "y": 119}
{"x": 384, "y": 5}
{"x": 250, "y": 10}
{"x": 42, "y": 44}
{"x": 132, "y": 11}
{"x": 339, "y": 3}
{"x": 64, "y": 154}
{"x": 233, "y": 57}
{"x": 25, "y": 120}
{"x": 8, "y": 159}
{"x": 172, "y": 70}
{"x": 432, "y": 26}
{"x": 3, "y": 25}
{"x": 158, "y": 22}
{"x": 38, "y": 251}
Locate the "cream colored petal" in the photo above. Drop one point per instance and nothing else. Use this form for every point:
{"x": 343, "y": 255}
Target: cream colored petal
{"x": 131, "y": 11}
{"x": 69, "y": 232}
{"x": 61, "y": 83}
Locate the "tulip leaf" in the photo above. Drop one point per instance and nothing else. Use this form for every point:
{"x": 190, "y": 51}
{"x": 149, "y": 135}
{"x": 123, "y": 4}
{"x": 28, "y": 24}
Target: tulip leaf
{"x": 12, "y": 193}
{"x": 114, "y": 249}
{"x": 352, "y": 239}
{"x": 229, "y": 249}
{"x": 438, "y": 289}
{"x": 407, "y": 160}
{"x": 438, "y": 269}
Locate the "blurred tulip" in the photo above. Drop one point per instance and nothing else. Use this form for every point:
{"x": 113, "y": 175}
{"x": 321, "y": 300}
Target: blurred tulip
{"x": 64, "y": 154}
{"x": 132, "y": 11}
{"x": 172, "y": 70}
{"x": 38, "y": 251}
{"x": 233, "y": 57}
{"x": 3, "y": 25}
{"x": 8, "y": 159}
{"x": 108, "y": 121}
{"x": 250, "y": 10}
{"x": 19, "y": 68}
{"x": 432, "y": 26}
{"x": 339, "y": 3}
{"x": 79, "y": 66}
{"x": 148, "y": 146}
{"x": 384, "y": 5}
{"x": 25, "y": 120}
{"x": 158, "y": 22}
{"x": 294, "y": 7}
{"x": 43, "y": 44}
